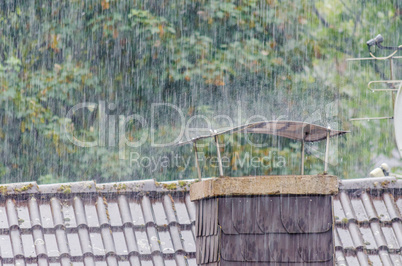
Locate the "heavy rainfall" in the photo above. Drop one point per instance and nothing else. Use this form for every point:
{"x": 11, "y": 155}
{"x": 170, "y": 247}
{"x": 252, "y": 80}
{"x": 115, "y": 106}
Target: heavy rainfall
{"x": 99, "y": 90}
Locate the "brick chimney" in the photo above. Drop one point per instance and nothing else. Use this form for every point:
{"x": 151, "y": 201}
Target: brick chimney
{"x": 265, "y": 220}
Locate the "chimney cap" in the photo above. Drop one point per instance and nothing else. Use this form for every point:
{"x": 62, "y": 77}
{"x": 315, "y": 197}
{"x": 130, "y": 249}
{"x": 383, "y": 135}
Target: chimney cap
{"x": 264, "y": 185}
{"x": 296, "y": 130}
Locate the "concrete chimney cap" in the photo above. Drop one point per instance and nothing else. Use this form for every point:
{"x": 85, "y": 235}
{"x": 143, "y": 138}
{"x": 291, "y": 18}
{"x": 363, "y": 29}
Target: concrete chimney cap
{"x": 265, "y": 185}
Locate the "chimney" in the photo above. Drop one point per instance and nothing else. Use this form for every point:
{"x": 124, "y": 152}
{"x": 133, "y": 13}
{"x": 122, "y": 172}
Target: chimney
{"x": 261, "y": 220}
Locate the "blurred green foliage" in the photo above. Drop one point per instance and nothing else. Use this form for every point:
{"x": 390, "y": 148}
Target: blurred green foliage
{"x": 278, "y": 59}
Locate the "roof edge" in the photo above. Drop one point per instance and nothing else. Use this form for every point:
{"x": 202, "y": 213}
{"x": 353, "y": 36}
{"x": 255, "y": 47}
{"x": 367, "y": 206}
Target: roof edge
{"x": 147, "y": 185}
{"x": 387, "y": 182}
{"x": 150, "y": 185}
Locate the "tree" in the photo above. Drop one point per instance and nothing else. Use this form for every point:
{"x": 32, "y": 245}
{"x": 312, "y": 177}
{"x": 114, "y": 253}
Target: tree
{"x": 273, "y": 58}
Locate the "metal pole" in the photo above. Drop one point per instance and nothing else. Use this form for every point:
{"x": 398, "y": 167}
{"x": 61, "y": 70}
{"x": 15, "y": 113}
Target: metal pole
{"x": 370, "y": 58}
{"x": 196, "y": 161}
{"x": 391, "y": 63}
{"x": 302, "y": 158}
{"x": 326, "y": 155}
{"x": 371, "y": 118}
{"x": 219, "y": 157}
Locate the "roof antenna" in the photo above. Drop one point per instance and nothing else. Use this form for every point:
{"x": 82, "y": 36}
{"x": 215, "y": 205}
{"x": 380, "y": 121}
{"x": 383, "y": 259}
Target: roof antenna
{"x": 377, "y": 41}
{"x": 395, "y": 91}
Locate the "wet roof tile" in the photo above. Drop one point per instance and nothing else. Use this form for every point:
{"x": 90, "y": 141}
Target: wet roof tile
{"x": 166, "y": 242}
{"x": 124, "y": 210}
{"x": 46, "y": 215}
{"x": 91, "y": 213}
{"x": 376, "y": 206}
{"x": 51, "y": 245}
{"x": 114, "y": 213}
{"x": 182, "y": 212}
{"x": 136, "y": 212}
{"x": 359, "y": 210}
{"x": 159, "y": 211}
{"x": 368, "y": 238}
{"x": 97, "y": 246}
{"x": 396, "y": 259}
{"x": 87, "y": 224}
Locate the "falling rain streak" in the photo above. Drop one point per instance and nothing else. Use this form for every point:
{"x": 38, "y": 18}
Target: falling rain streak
{"x": 224, "y": 62}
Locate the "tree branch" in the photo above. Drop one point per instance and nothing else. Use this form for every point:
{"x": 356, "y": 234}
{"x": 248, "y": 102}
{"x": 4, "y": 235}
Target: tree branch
{"x": 344, "y": 4}
{"x": 357, "y": 20}
{"x": 321, "y": 18}
{"x": 327, "y": 25}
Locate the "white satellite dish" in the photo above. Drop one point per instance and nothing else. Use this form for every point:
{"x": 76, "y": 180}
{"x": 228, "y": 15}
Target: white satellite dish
{"x": 398, "y": 119}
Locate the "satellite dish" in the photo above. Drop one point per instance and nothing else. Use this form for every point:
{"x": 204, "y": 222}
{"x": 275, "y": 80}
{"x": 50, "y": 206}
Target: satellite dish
{"x": 398, "y": 119}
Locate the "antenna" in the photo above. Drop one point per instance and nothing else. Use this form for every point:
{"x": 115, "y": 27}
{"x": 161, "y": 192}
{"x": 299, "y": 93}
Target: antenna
{"x": 398, "y": 120}
{"x": 396, "y": 101}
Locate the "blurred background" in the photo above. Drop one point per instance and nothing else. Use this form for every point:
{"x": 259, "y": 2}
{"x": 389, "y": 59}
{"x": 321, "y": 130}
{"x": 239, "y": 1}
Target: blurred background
{"x": 239, "y": 59}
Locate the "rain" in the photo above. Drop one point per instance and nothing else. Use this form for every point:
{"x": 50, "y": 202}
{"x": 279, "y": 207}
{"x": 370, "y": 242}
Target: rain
{"x": 102, "y": 90}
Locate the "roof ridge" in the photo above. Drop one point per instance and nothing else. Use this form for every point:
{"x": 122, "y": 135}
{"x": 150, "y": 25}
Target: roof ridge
{"x": 90, "y": 186}
{"x": 151, "y": 185}
{"x": 386, "y": 182}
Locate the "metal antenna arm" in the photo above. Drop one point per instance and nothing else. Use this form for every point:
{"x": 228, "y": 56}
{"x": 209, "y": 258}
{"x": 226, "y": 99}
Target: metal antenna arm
{"x": 383, "y": 81}
{"x": 377, "y": 42}
{"x": 389, "y": 47}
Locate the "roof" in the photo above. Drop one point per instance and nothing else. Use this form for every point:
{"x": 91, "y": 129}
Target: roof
{"x": 295, "y": 130}
{"x": 368, "y": 222}
{"x": 107, "y": 224}
{"x": 155, "y": 223}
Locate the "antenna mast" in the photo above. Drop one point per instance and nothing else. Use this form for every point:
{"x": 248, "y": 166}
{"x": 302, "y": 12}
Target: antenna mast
{"x": 395, "y": 91}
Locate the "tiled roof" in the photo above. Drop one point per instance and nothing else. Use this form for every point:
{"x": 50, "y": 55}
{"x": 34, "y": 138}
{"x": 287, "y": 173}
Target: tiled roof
{"x": 130, "y": 223}
{"x": 368, "y": 222}
{"x": 145, "y": 222}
